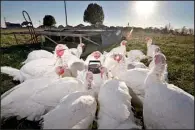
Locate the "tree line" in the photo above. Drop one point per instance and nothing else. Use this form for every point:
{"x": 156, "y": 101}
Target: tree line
{"x": 94, "y": 15}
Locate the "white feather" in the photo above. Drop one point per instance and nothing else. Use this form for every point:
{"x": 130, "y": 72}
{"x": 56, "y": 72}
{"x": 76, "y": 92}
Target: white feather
{"x": 115, "y": 105}
{"x": 76, "y": 111}
{"x": 44, "y": 95}
{"x": 165, "y": 105}
{"x": 135, "y": 55}
{"x": 15, "y": 73}
{"x": 36, "y": 54}
{"x": 77, "y": 51}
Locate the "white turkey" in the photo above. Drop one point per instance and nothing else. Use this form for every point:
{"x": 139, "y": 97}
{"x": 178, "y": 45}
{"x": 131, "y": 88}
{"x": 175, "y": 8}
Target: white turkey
{"x": 165, "y": 105}
{"x": 11, "y": 100}
{"x": 38, "y": 67}
{"x": 116, "y": 64}
{"x": 151, "y": 47}
{"x": 115, "y": 106}
{"x": 33, "y": 69}
{"x": 151, "y": 65}
{"x": 96, "y": 55}
{"x": 75, "y": 111}
{"x": 96, "y": 80}
{"x": 134, "y": 78}
{"x": 156, "y": 50}
{"x": 35, "y": 97}
{"x": 120, "y": 49}
{"x": 74, "y": 63}
{"x": 131, "y": 65}
{"x": 77, "y": 51}
{"x": 129, "y": 76}
{"x": 135, "y": 56}
{"x": 37, "y": 54}
{"x": 61, "y": 71}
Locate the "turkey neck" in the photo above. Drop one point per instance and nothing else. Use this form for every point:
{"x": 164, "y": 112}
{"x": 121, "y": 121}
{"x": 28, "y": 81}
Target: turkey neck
{"x": 120, "y": 69}
{"x": 124, "y": 47}
{"x": 149, "y": 43}
{"x": 157, "y": 73}
{"x": 79, "y": 50}
{"x": 59, "y": 62}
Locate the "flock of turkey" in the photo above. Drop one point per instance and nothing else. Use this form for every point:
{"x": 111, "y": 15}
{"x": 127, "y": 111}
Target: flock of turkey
{"x": 58, "y": 90}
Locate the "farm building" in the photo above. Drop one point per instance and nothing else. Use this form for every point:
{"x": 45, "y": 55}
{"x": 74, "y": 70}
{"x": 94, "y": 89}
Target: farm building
{"x": 12, "y": 25}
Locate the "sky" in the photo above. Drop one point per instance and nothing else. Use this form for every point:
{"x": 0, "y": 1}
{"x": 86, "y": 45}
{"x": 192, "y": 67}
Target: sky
{"x": 116, "y": 13}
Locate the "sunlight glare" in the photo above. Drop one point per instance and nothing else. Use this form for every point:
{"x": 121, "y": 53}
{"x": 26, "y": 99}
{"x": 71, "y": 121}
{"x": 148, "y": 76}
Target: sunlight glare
{"x": 145, "y": 7}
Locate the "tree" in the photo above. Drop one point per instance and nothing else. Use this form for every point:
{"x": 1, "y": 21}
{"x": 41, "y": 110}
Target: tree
{"x": 168, "y": 28}
{"x": 150, "y": 29}
{"x": 94, "y": 14}
{"x": 184, "y": 30}
{"x": 49, "y": 20}
{"x": 176, "y": 31}
{"x": 171, "y": 31}
{"x": 191, "y": 31}
{"x": 156, "y": 30}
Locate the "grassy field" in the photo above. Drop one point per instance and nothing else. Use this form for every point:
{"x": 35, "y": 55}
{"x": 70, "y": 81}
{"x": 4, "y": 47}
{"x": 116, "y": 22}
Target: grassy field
{"x": 179, "y": 51}
{"x": 9, "y": 40}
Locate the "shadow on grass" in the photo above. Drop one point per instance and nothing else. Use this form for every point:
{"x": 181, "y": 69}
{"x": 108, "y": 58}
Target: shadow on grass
{"x": 13, "y": 123}
{"x": 23, "y": 47}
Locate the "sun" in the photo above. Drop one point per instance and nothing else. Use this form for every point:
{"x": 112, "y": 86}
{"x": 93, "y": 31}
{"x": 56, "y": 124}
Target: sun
{"x": 145, "y": 7}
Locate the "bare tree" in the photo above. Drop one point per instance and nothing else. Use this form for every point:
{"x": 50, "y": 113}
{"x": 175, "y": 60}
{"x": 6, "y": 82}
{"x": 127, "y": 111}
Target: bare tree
{"x": 191, "y": 31}
{"x": 176, "y": 31}
{"x": 184, "y": 30}
{"x": 165, "y": 29}
{"x": 168, "y": 28}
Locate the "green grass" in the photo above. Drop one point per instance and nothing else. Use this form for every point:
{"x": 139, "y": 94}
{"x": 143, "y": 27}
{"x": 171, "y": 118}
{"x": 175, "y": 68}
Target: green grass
{"x": 9, "y": 40}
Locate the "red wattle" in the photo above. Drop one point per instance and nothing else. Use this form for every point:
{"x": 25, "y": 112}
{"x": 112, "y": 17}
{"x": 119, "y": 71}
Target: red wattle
{"x": 59, "y": 52}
